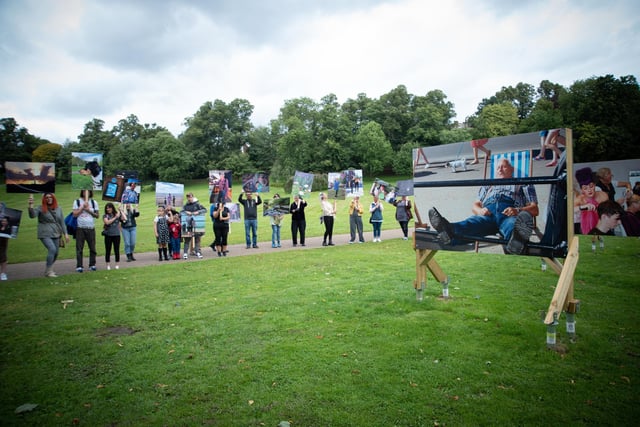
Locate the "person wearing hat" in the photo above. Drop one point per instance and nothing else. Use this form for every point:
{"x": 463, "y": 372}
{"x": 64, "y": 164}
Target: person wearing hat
{"x": 588, "y": 199}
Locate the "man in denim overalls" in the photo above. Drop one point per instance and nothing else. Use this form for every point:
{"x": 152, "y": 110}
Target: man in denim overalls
{"x": 505, "y": 209}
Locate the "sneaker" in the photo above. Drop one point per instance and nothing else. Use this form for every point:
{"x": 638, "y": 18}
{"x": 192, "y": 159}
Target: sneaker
{"x": 405, "y": 238}
{"x": 255, "y": 246}
{"x": 185, "y": 256}
{"x": 198, "y": 254}
{"x": 248, "y": 247}
{"x": 295, "y": 244}
{"x": 351, "y": 242}
{"x": 521, "y": 232}
{"x": 279, "y": 245}
{"x": 273, "y": 245}
{"x": 108, "y": 267}
{"x": 117, "y": 267}
{"x": 3, "y": 276}
{"x": 442, "y": 226}
{"x": 51, "y": 274}
{"x": 92, "y": 268}
{"x": 79, "y": 269}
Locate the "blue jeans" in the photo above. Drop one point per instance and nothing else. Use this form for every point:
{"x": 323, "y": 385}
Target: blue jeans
{"x": 129, "y": 237}
{"x": 251, "y": 230}
{"x": 275, "y": 234}
{"x": 377, "y": 227}
{"x": 479, "y": 225}
{"x": 52, "y": 246}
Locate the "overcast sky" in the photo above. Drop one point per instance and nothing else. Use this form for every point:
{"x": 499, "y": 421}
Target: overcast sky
{"x": 65, "y": 62}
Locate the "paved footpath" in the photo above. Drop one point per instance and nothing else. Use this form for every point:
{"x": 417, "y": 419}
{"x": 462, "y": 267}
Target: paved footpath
{"x": 30, "y": 270}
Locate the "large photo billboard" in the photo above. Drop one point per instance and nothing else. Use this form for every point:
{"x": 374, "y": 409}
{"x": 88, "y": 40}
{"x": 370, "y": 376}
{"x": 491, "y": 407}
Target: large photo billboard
{"x": 499, "y": 195}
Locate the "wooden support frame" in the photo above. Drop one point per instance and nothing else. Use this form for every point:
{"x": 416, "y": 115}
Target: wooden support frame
{"x": 563, "y": 299}
{"x": 425, "y": 261}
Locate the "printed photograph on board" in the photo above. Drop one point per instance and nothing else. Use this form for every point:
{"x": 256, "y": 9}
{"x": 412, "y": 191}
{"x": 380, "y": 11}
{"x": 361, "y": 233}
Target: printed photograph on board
{"x": 498, "y": 195}
{"x": 607, "y": 198}
{"x": 86, "y": 171}
{"x": 30, "y": 177}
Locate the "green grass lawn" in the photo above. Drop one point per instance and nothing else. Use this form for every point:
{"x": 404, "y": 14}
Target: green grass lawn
{"x": 27, "y": 247}
{"x": 323, "y": 338}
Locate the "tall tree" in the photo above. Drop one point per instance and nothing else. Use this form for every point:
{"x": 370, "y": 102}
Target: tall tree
{"x": 431, "y": 115}
{"x": 16, "y": 143}
{"x": 47, "y": 153}
{"x": 604, "y": 112}
{"x": 496, "y": 120}
{"x": 215, "y": 131}
{"x": 374, "y": 149}
{"x": 94, "y": 139}
{"x": 521, "y": 97}
{"x": 393, "y": 113}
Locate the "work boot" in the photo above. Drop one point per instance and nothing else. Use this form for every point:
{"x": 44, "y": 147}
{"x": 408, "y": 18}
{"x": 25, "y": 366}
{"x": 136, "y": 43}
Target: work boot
{"x": 442, "y": 226}
{"x": 521, "y": 233}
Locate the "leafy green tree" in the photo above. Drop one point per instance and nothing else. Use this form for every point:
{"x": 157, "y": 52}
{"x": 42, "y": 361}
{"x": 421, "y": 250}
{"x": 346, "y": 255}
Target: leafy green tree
{"x": 402, "y": 160}
{"x": 543, "y": 116}
{"x": 215, "y": 131}
{"x": 496, "y": 120}
{"x": 130, "y": 129}
{"x": 374, "y": 149}
{"x": 393, "y": 112}
{"x": 296, "y": 129}
{"x": 47, "y": 153}
{"x": 432, "y": 114}
{"x": 522, "y": 97}
{"x": 16, "y": 143}
{"x": 262, "y": 149}
{"x": 170, "y": 158}
{"x": 94, "y": 139}
{"x": 608, "y": 108}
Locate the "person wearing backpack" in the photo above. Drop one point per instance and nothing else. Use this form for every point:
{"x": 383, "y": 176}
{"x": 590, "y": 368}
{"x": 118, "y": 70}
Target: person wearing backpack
{"x": 86, "y": 210}
{"x": 51, "y": 228}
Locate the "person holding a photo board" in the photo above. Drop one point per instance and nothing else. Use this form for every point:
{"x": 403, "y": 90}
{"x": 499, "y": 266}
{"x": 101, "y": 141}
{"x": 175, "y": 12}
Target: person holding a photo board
{"x": 86, "y": 210}
{"x": 298, "y": 219}
{"x": 328, "y": 215}
{"x": 51, "y": 228}
{"x": 5, "y": 229}
{"x": 191, "y": 209}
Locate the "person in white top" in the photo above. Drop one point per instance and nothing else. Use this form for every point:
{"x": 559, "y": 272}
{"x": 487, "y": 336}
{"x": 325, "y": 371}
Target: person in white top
{"x": 328, "y": 214}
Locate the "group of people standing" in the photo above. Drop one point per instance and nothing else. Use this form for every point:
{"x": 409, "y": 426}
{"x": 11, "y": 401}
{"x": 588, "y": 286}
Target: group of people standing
{"x": 327, "y": 218}
{"x": 119, "y": 224}
{"x": 52, "y": 229}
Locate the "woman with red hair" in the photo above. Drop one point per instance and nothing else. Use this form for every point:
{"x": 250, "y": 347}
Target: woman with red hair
{"x": 51, "y": 228}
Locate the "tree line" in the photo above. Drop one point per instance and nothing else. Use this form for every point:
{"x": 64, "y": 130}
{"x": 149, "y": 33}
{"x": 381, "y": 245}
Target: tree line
{"x": 375, "y": 135}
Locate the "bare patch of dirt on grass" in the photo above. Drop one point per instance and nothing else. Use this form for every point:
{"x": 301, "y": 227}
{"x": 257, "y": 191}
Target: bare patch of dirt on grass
{"x": 115, "y": 331}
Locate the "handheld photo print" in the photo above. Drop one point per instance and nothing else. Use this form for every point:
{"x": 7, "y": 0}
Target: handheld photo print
{"x": 30, "y": 177}
{"x": 86, "y": 171}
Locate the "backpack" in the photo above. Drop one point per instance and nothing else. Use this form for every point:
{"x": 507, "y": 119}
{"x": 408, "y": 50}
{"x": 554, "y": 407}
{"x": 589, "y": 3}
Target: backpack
{"x": 72, "y": 224}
